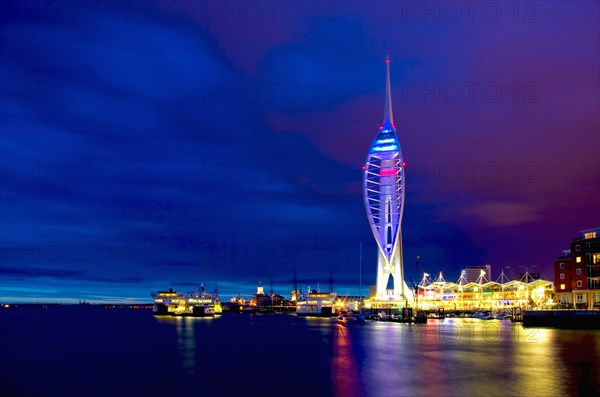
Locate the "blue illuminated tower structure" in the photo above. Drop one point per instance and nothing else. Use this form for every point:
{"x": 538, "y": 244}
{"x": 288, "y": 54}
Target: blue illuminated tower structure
{"x": 383, "y": 187}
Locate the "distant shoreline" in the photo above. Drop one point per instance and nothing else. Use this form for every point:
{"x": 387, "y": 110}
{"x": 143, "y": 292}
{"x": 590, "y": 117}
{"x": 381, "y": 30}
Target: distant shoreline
{"x": 9, "y": 306}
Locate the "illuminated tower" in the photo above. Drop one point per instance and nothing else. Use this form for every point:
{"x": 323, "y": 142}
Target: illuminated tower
{"x": 383, "y": 187}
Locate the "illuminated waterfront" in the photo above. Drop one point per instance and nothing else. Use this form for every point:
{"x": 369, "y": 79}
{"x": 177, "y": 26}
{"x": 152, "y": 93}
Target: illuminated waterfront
{"x": 71, "y": 352}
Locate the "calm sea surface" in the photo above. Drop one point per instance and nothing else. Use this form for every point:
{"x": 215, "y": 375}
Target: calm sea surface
{"x": 82, "y": 353}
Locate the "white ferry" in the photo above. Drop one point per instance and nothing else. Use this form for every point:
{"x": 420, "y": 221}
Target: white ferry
{"x": 196, "y": 304}
{"x": 318, "y": 304}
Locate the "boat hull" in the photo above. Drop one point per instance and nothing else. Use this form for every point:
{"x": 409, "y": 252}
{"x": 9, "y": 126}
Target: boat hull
{"x": 161, "y": 310}
{"x": 325, "y": 312}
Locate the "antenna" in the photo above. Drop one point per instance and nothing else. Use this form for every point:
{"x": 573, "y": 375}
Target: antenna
{"x": 388, "y": 115}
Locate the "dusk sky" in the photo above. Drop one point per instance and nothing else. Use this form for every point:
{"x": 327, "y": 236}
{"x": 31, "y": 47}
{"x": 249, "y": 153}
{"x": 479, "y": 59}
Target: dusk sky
{"x": 147, "y": 145}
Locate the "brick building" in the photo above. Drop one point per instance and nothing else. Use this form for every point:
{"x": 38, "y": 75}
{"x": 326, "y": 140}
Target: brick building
{"x": 577, "y": 271}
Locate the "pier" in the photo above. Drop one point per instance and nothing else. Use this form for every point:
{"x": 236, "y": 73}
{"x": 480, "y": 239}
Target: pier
{"x": 567, "y": 319}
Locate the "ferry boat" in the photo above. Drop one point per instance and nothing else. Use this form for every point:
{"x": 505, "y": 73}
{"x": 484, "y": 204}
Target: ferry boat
{"x": 318, "y": 304}
{"x": 196, "y": 303}
{"x": 165, "y": 302}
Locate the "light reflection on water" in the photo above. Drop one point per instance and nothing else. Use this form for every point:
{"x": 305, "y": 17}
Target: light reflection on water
{"x": 285, "y": 355}
{"x": 186, "y": 338}
{"x": 449, "y": 357}
{"x": 472, "y": 357}
{"x": 345, "y": 375}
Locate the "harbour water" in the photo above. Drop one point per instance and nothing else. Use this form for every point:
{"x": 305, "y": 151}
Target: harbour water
{"x": 94, "y": 352}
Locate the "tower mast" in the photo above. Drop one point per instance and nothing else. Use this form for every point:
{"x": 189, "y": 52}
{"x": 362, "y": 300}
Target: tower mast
{"x": 388, "y": 114}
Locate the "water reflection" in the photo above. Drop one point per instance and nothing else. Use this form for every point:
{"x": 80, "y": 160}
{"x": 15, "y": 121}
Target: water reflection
{"x": 474, "y": 357}
{"x": 345, "y": 376}
{"x": 386, "y": 365}
{"x": 186, "y": 338}
{"x": 579, "y": 356}
{"x": 281, "y": 355}
{"x": 536, "y": 369}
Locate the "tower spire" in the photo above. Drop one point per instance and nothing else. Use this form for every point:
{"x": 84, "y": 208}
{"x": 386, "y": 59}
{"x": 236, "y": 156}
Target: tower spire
{"x": 388, "y": 115}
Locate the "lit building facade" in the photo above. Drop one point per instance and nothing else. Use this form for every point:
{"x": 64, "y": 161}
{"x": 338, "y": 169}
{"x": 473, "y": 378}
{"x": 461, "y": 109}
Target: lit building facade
{"x": 486, "y": 295}
{"x": 384, "y": 190}
{"x": 577, "y": 272}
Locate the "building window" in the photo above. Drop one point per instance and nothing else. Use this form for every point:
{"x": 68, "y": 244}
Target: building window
{"x": 589, "y": 235}
{"x": 578, "y": 248}
{"x": 579, "y": 298}
{"x": 597, "y": 298}
{"x": 595, "y": 259}
{"x": 578, "y": 271}
{"x": 562, "y": 266}
{"x": 562, "y": 286}
{"x": 578, "y": 259}
{"x": 562, "y": 276}
{"x": 579, "y": 283}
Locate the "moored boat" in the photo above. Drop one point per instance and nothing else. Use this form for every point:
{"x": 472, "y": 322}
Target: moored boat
{"x": 317, "y": 304}
{"x": 195, "y": 304}
{"x": 348, "y": 318}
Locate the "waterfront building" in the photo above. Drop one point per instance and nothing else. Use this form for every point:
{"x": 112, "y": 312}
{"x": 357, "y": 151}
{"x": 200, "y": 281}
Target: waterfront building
{"x": 577, "y": 272}
{"x": 483, "y": 294}
{"x": 261, "y": 299}
{"x": 384, "y": 192}
{"x": 351, "y": 303}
